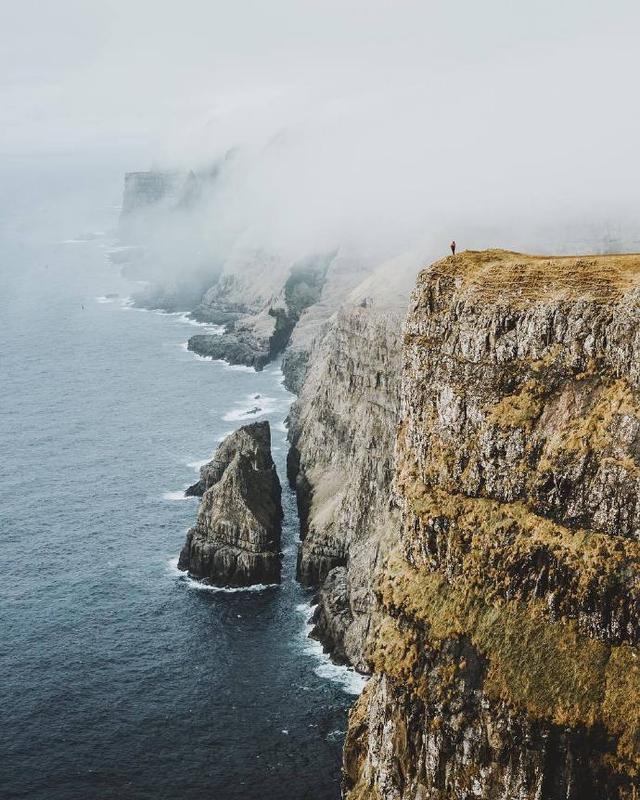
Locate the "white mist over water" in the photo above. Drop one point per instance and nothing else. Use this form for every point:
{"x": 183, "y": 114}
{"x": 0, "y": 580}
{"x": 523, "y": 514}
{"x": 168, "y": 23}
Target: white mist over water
{"x": 378, "y": 126}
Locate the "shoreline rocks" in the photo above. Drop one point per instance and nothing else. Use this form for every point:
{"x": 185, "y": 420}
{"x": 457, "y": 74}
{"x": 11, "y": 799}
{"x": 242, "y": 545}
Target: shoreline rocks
{"x": 236, "y": 538}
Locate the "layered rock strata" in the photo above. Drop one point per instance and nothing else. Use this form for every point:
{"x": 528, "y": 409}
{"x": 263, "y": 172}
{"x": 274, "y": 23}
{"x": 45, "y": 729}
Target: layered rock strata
{"x": 236, "y": 538}
{"x": 342, "y": 431}
{"x": 505, "y": 658}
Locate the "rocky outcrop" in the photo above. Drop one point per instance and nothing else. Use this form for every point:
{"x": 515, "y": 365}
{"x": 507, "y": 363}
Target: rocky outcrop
{"x": 236, "y": 538}
{"x": 505, "y": 654}
{"x": 243, "y": 346}
{"x": 258, "y": 328}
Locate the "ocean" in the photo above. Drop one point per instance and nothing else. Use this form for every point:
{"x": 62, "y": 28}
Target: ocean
{"x": 120, "y": 677}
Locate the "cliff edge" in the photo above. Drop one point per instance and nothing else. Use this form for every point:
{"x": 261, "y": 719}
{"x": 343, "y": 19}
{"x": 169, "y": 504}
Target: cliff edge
{"x": 505, "y": 656}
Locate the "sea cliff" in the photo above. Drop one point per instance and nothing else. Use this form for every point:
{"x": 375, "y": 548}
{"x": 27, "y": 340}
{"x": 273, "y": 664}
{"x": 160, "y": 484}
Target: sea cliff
{"x": 505, "y": 655}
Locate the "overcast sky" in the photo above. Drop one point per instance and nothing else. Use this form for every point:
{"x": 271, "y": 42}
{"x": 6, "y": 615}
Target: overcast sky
{"x": 467, "y": 102}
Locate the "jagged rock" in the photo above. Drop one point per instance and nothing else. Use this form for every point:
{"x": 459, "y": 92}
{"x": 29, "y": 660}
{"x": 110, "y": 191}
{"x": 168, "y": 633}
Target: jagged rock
{"x": 231, "y": 348}
{"x": 236, "y": 538}
{"x": 258, "y": 326}
{"x": 253, "y": 441}
{"x": 505, "y": 653}
{"x": 333, "y": 617}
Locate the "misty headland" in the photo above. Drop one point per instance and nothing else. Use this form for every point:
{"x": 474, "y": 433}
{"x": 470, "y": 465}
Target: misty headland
{"x": 293, "y": 502}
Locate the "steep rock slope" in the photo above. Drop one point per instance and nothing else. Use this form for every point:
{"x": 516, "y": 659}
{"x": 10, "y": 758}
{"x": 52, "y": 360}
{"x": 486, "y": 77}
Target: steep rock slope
{"x": 259, "y": 301}
{"x": 506, "y": 659}
{"x": 342, "y": 432}
{"x": 236, "y": 538}
{"x": 342, "y": 446}
{"x": 343, "y": 274}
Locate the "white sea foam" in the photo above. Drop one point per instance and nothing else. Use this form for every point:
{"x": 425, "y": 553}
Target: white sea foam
{"x": 173, "y": 567}
{"x": 197, "y": 356}
{"x": 191, "y": 583}
{"x": 105, "y": 299}
{"x": 197, "y": 464}
{"x": 251, "y": 407}
{"x": 237, "y": 367}
{"x": 350, "y": 681}
{"x": 180, "y": 495}
{"x": 205, "y": 587}
{"x": 280, "y": 426}
{"x": 214, "y": 330}
{"x": 277, "y": 372}
{"x": 183, "y": 316}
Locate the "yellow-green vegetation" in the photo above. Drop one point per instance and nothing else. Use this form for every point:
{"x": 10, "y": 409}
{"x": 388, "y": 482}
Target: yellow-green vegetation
{"x": 396, "y": 652}
{"x": 547, "y": 669}
{"x": 521, "y": 409}
{"x": 355, "y": 748}
{"x": 520, "y": 278}
{"x": 486, "y": 538}
{"x": 591, "y": 429}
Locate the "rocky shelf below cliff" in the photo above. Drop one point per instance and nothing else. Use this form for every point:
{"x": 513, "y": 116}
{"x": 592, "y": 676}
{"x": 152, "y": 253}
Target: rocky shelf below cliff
{"x": 232, "y": 348}
{"x": 236, "y": 538}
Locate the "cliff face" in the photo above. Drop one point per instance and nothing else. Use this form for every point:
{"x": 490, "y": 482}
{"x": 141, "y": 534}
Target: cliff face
{"x": 342, "y": 433}
{"x": 341, "y": 463}
{"x": 506, "y": 659}
{"x": 236, "y": 538}
{"x": 343, "y": 274}
{"x": 144, "y": 190}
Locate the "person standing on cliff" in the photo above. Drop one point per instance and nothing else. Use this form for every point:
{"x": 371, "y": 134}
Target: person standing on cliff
{"x": 453, "y": 247}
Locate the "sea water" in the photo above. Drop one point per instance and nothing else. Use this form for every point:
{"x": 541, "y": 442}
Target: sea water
{"x": 120, "y": 676}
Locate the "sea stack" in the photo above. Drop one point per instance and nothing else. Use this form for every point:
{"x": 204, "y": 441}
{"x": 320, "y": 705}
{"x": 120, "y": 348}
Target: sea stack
{"x": 236, "y": 538}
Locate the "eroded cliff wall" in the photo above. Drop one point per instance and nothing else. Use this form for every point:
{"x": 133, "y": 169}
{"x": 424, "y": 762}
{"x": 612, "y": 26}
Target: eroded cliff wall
{"x": 341, "y": 461}
{"x": 505, "y": 658}
{"x": 342, "y": 430}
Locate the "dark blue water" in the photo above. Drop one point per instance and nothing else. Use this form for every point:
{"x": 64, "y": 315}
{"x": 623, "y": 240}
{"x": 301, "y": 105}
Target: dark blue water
{"x": 119, "y": 678}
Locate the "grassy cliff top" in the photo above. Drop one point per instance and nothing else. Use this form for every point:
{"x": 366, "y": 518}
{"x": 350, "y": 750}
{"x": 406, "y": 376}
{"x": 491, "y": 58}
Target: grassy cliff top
{"x": 497, "y": 274}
